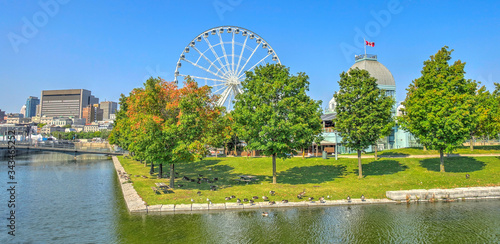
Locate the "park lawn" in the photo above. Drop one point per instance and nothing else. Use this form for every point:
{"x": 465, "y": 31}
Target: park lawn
{"x": 319, "y": 177}
{"x": 419, "y": 151}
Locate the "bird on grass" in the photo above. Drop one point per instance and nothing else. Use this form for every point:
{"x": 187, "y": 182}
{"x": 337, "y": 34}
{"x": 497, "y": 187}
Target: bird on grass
{"x": 180, "y": 186}
{"x": 228, "y": 198}
{"x": 362, "y": 197}
{"x": 299, "y": 196}
{"x": 321, "y": 199}
{"x": 310, "y": 199}
{"x": 284, "y": 201}
{"x": 467, "y": 176}
{"x": 265, "y": 198}
{"x": 233, "y": 196}
{"x": 348, "y": 198}
{"x": 238, "y": 201}
{"x": 199, "y": 193}
{"x": 255, "y": 197}
{"x": 272, "y": 193}
{"x": 265, "y": 214}
{"x": 272, "y": 202}
{"x": 245, "y": 199}
{"x": 192, "y": 200}
{"x": 251, "y": 202}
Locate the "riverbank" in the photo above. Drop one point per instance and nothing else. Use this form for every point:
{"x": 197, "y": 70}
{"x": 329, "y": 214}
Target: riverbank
{"x": 331, "y": 179}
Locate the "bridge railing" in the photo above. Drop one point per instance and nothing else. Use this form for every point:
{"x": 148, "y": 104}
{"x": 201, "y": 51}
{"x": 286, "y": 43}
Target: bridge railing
{"x": 58, "y": 144}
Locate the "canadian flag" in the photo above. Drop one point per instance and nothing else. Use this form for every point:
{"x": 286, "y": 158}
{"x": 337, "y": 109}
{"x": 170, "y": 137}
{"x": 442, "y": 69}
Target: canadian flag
{"x": 371, "y": 44}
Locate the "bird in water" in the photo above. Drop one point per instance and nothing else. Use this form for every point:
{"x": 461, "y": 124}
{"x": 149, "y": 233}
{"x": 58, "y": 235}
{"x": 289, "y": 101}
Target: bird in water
{"x": 348, "y": 198}
{"x": 362, "y": 197}
{"x": 265, "y": 214}
{"x": 272, "y": 193}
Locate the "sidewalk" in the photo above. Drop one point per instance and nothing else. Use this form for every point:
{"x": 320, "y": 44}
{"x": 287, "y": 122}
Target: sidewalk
{"x": 421, "y": 156}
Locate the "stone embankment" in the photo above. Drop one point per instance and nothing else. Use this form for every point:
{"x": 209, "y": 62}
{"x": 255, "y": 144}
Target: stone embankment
{"x": 136, "y": 204}
{"x": 463, "y": 193}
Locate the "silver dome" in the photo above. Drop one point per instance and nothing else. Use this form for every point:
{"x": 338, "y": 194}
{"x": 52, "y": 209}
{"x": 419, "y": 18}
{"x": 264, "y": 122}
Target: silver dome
{"x": 377, "y": 70}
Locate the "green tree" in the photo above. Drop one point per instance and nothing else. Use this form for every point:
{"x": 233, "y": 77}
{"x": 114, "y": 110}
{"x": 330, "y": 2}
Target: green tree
{"x": 363, "y": 111}
{"x": 437, "y": 105}
{"x": 483, "y": 113}
{"x": 274, "y": 114}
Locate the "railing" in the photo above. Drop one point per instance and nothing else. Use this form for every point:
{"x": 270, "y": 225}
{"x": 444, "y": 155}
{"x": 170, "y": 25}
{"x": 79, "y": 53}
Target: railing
{"x": 365, "y": 56}
{"x": 58, "y": 144}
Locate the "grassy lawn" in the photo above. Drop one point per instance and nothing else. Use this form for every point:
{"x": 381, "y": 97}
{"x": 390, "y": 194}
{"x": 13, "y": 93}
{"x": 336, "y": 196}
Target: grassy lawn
{"x": 420, "y": 151}
{"x": 317, "y": 176}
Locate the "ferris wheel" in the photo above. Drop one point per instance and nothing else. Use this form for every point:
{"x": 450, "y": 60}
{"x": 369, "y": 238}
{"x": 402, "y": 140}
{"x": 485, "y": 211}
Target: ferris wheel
{"x": 220, "y": 56}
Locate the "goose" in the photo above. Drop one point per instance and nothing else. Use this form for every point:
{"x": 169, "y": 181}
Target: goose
{"x": 284, "y": 201}
{"x": 228, "y": 198}
{"x": 299, "y": 196}
{"x": 272, "y": 202}
{"x": 265, "y": 214}
{"x": 199, "y": 193}
{"x": 255, "y": 197}
{"x": 232, "y": 196}
{"x": 251, "y": 201}
{"x": 321, "y": 199}
{"x": 245, "y": 199}
{"x": 362, "y": 197}
{"x": 180, "y": 186}
{"x": 467, "y": 176}
{"x": 348, "y": 198}
{"x": 238, "y": 201}
{"x": 265, "y": 198}
{"x": 272, "y": 193}
{"x": 310, "y": 199}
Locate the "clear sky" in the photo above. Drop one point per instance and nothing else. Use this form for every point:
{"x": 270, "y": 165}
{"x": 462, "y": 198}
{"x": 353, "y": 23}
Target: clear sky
{"x": 109, "y": 47}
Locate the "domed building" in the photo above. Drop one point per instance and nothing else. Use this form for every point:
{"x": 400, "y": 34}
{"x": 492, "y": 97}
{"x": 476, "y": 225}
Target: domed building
{"x": 385, "y": 81}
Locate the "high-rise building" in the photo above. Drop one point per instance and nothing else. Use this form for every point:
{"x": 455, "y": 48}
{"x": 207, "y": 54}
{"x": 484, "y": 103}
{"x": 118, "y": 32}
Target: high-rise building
{"x": 108, "y": 108}
{"x": 2, "y": 115}
{"x": 31, "y": 105}
{"x": 66, "y": 103}
{"x": 92, "y": 113}
{"x": 23, "y": 110}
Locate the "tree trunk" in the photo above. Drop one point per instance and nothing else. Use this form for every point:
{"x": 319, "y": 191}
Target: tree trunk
{"x": 216, "y": 152}
{"x": 172, "y": 176}
{"x": 376, "y": 148}
{"x": 274, "y": 168}
{"x": 303, "y": 153}
{"x": 161, "y": 171}
{"x": 471, "y": 143}
{"x": 425, "y": 148}
{"x": 441, "y": 167}
{"x": 359, "y": 165}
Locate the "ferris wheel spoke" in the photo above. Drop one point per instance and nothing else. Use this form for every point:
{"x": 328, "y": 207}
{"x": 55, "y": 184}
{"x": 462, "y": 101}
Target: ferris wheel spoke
{"x": 255, "y": 65}
{"x": 203, "y": 78}
{"x": 242, "y": 68}
{"x": 241, "y": 54}
{"x": 220, "y": 89}
{"x": 211, "y": 63}
{"x": 224, "y": 95}
{"x": 223, "y": 49}
{"x": 215, "y": 54}
{"x": 232, "y": 55}
{"x": 203, "y": 68}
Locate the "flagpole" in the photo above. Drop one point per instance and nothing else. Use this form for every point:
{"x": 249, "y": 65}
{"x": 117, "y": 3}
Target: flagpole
{"x": 365, "y": 46}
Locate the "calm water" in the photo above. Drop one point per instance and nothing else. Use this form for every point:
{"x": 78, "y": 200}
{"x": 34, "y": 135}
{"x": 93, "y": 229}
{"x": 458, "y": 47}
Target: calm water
{"x": 65, "y": 201}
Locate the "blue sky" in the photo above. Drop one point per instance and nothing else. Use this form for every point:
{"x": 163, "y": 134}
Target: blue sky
{"x": 109, "y": 47}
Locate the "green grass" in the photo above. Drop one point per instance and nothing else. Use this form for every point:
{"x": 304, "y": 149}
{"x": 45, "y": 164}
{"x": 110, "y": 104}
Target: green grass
{"x": 420, "y": 151}
{"x": 317, "y": 176}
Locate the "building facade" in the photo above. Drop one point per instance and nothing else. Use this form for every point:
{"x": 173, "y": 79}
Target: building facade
{"x": 31, "y": 105}
{"x": 108, "y": 108}
{"x": 65, "y": 103}
{"x": 92, "y": 113}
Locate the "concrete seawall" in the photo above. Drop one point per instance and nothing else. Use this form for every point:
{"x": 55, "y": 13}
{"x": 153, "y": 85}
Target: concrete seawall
{"x": 135, "y": 204}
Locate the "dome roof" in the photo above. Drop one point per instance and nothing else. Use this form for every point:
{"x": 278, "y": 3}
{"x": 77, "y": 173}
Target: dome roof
{"x": 377, "y": 70}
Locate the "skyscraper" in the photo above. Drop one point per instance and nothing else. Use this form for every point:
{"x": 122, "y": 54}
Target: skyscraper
{"x": 31, "y": 104}
{"x": 66, "y": 103}
{"x": 108, "y": 108}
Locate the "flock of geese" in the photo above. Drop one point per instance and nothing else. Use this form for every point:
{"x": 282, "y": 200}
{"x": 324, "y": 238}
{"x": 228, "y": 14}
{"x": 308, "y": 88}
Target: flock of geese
{"x": 266, "y": 199}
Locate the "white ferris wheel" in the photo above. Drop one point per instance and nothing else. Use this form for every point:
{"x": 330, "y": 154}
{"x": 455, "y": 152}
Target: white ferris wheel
{"x": 220, "y": 56}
